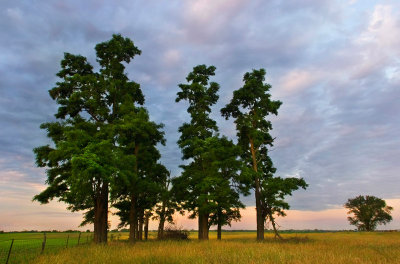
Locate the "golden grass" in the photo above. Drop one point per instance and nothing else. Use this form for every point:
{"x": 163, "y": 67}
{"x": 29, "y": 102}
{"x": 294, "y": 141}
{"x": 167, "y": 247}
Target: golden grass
{"x": 242, "y": 248}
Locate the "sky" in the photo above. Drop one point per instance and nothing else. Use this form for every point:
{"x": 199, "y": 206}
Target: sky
{"x": 335, "y": 65}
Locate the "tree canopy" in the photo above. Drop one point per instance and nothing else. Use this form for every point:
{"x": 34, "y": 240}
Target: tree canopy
{"x": 83, "y": 160}
{"x": 250, "y": 106}
{"x": 368, "y": 212}
{"x": 104, "y": 149}
{"x": 213, "y": 163}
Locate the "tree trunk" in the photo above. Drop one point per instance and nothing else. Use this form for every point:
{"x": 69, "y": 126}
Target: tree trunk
{"x": 259, "y": 217}
{"x": 137, "y": 229}
{"x": 133, "y": 214}
{"x": 146, "y": 225}
{"x": 219, "y": 231}
{"x": 140, "y": 235}
{"x": 271, "y": 218}
{"x": 200, "y": 224}
{"x": 219, "y": 225}
{"x": 203, "y": 226}
{"x": 101, "y": 215}
{"x": 160, "y": 232}
{"x": 132, "y": 220}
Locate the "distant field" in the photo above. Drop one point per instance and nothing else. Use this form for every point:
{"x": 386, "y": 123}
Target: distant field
{"x": 241, "y": 247}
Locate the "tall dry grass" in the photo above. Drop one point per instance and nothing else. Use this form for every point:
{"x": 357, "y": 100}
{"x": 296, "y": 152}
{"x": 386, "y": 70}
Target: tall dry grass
{"x": 242, "y": 248}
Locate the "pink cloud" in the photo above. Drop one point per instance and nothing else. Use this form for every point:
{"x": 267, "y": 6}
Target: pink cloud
{"x": 296, "y": 81}
{"x": 207, "y": 20}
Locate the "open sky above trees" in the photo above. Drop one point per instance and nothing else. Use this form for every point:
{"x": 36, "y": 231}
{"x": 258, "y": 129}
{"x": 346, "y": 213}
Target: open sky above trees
{"x": 335, "y": 65}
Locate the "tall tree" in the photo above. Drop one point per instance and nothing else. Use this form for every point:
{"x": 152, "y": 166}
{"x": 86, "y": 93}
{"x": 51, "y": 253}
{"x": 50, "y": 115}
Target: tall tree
{"x": 368, "y": 212}
{"x": 250, "y": 106}
{"x": 210, "y": 184}
{"x": 83, "y": 160}
{"x": 193, "y": 186}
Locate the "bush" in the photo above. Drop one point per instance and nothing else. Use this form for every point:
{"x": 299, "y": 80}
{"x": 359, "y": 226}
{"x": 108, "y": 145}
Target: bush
{"x": 175, "y": 233}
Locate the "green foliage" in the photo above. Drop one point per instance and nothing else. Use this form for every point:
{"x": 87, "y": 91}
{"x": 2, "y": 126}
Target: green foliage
{"x": 105, "y": 145}
{"x": 166, "y": 205}
{"x": 368, "y": 212}
{"x": 194, "y": 185}
{"x": 210, "y": 182}
{"x": 147, "y": 188}
{"x": 85, "y": 157}
{"x": 137, "y": 140}
{"x": 250, "y": 107}
{"x": 274, "y": 189}
{"x": 200, "y": 99}
{"x": 222, "y": 156}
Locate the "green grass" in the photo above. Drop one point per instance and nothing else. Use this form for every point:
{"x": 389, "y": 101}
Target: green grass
{"x": 28, "y": 246}
{"x": 241, "y": 247}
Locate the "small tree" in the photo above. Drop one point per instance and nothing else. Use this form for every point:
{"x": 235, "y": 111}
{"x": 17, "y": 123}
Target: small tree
{"x": 368, "y": 211}
{"x": 148, "y": 187}
{"x": 166, "y": 206}
{"x": 222, "y": 155}
{"x": 273, "y": 192}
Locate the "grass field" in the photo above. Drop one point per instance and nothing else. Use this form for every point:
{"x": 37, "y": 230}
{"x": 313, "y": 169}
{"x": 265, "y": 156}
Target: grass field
{"x": 240, "y": 247}
{"x": 27, "y": 246}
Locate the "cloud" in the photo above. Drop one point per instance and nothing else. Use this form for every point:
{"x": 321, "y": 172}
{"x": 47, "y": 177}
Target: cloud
{"x": 297, "y": 80}
{"x": 335, "y": 67}
{"x": 378, "y": 44}
{"x": 207, "y": 21}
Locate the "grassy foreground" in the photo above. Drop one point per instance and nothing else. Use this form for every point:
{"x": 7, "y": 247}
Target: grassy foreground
{"x": 242, "y": 248}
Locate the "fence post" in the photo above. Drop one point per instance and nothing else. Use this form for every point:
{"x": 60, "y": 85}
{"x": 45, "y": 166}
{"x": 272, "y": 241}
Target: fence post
{"x": 9, "y": 252}
{"x": 67, "y": 242}
{"x": 87, "y": 239}
{"x": 79, "y": 238}
{"x": 43, "y": 243}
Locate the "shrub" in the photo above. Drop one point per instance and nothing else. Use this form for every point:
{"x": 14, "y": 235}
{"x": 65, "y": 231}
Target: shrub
{"x": 175, "y": 233}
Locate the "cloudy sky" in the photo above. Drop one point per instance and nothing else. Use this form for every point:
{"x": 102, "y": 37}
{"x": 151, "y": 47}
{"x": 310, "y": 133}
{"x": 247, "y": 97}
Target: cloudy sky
{"x": 334, "y": 64}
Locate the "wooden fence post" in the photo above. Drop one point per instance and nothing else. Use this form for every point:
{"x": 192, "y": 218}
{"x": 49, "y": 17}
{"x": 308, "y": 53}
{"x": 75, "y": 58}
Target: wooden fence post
{"x": 67, "y": 242}
{"x": 43, "y": 243}
{"x": 79, "y": 238}
{"x": 9, "y": 252}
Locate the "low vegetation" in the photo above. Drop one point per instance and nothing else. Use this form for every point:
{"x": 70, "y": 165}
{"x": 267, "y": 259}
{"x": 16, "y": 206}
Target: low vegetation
{"x": 242, "y": 247}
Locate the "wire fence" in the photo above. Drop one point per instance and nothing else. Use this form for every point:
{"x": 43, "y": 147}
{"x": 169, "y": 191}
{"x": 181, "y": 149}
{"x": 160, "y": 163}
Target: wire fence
{"x": 24, "y": 249}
